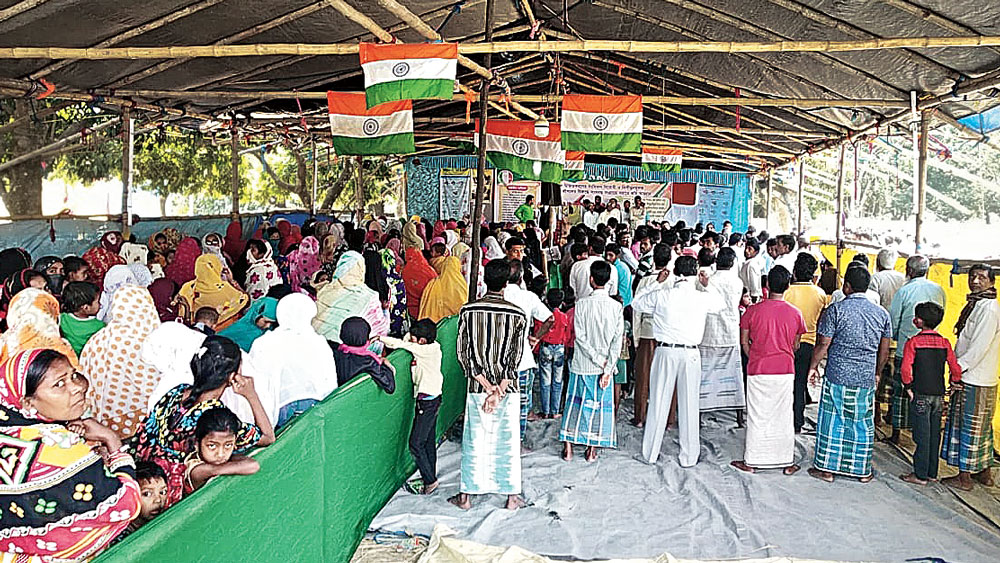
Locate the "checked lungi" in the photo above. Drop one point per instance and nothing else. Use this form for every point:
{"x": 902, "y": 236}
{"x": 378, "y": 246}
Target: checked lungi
{"x": 589, "y": 417}
{"x": 968, "y": 431}
{"x": 845, "y": 430}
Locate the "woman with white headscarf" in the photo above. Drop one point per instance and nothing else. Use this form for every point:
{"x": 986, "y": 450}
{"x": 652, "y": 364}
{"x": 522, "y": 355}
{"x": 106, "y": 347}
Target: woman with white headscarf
{"x": 298, "y": 361}
{"x": 493, "y": 249}
{"x": 118, "y": 276}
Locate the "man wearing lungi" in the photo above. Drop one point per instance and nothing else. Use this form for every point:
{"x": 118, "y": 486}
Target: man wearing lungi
{"x": 599, "y": 324}
{"x": 721, "y": 367}
{"x": 917, "y": 289}
{"x": 770, "y": 333}
{"x": 968, "y": 431}
{"x": 491, "y": 336}
{"x": 854, "y": 335}
{"x": 679, "y": 313}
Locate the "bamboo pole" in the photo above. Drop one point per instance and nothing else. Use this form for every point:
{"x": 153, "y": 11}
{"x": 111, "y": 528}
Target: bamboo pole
{"x": 40, "y": 114}
{"x": 482, "y": 48}
{"x": 315, "y": 183}
{"x": 802, "y": 186}
{"x": 767, "y": 209}
{"x": 922, "y": 181}
{"x": 17, "y": 88}
{"x": 840, "y": 207}
{"x": 477, "y": 210}
{"x": 665, "y": 127}
{"x": 360, "y": 191}
{"x": 57, "y": 144}
{"x": 128, "y": 153}
{"x": 236, "y": 157}
{"x": 19, "y": 8}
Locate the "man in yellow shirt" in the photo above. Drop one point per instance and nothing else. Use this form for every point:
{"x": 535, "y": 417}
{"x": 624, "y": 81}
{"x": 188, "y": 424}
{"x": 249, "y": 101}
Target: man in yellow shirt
{"x": 810, "y": 300}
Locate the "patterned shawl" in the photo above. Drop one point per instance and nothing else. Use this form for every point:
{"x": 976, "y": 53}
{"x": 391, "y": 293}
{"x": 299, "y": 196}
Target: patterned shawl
{"x": 33, "y": 322}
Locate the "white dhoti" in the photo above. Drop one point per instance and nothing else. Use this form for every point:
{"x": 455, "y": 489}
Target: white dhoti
{"x": 680, "y": 367}
{"x": 770, "y": 440}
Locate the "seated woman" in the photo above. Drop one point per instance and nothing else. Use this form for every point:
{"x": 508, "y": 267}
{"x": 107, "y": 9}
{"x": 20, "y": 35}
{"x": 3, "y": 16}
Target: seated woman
{"x": 103, "y": 256}
{"x": 348, "y": 296}
{"x": 120, "y": 382}
{"x": 167, "y": 435}
{"x": 33, "y": 322}
{"x": 67, "y": 500}
{"x": 296, "y": 359}
{"x": 258, "y": 269}
{"x": 209, "y": 289}
{"x": 353, "y": 357}
{"x": 259, "y": 318}
{"x": 445, "y": 294}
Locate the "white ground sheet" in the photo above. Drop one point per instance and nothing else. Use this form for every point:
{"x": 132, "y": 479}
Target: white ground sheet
{"x": 619, "y": 507}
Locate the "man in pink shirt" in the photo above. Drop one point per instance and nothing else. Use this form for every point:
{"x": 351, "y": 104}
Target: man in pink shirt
{"x": 769, "y": 335}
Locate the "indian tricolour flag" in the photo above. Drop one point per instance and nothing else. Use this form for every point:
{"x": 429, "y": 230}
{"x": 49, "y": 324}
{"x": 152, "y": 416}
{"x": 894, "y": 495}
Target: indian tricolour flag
{"x": 419, "y": 71}
{"x": 602, "y": 123}
{"x": 512, "y": 145}
{"x": 383, "y": 129}
{"x": 661, "y": 159}
{"x": 573, "y": 169}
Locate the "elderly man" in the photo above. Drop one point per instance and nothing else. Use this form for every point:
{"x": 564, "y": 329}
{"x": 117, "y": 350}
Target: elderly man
{"x": 968, "y": 432}
{"x": 679, "y": 315}
{"x": 886, "y": 281}
{"x": 916, "y": 290}
{"x": 854, "y": 336}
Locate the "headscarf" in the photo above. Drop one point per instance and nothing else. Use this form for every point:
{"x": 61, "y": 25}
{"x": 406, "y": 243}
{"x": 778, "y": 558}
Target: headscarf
{"x": 163, "y": 292}
{"x": 173, "y": 236}
{"x": 303, "y": 262}
{"x": 181, "y": 270}
{"x": 117, "y": 277}
{"x": 263, "y": 273}
{"x": 444, "y": 295}
{"x": 208, "y": 289}
{"x": 120, "y": 382}
{"x": 60, "y": 462}
{"x": 410, "y": 237}
{"x": 143, "y": 277}
{"x": 245, "y": 331}
{"x": 103, "y": 256}
{"x": 438, "y": 229}
{"x": 43, "y": 264}
{"x": 348, "y": 296}
{"x": 298, "y": 361}
{"x": 493, "y": 249}
{"x": 13, "y": 260}
{"x": 294, "y": 237}
{"x": 970, "y": 305}
{"x": 16, "y": 283}
{"x": 134, "y": 253}
{"x": 214, "y": 248}
{"x": 394, "y": 245}
{"x": 354, "y": 358}
{"x": 234, "y": 245}
{"x": 33, "y": 322}
{"x": 417, "y": 273}
{"x": 450, "y": 240}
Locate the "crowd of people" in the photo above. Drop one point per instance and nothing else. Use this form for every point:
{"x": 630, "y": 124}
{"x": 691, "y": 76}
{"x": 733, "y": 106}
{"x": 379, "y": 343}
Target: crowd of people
{"x": 136, "y": 372}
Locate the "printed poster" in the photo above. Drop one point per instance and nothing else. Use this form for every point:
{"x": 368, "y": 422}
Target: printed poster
{"x": 510, "y": 194}
{"x": 656, "y": 196}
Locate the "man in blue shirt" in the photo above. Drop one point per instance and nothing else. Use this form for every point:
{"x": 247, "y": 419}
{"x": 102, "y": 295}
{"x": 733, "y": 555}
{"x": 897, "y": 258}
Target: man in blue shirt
{"x": 917, "y": 289}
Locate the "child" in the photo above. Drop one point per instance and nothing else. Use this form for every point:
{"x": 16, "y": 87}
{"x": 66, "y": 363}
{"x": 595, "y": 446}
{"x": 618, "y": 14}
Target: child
{"x": 922, "y": 372}
{"x": 427, "y": 380}
{"x": 552, "y": 356}
{"x": 216, "y": 436}
{"x": 153, "y": 490}
{"x": 205, "y": 320}
{"x": 81, "y": 300}
{"x": 353, "y": 357}
{"x": 75, "y": 269}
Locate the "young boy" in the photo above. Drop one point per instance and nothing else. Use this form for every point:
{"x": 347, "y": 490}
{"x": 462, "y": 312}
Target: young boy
{"x": 75, "y": 269}
{"x": 552, "y": 356}
{"x": 205, "y": 320}
{"x": 81, "y": 300}
{"x": 153, "y": 495}
{"x": 427, "y": 380}
{"x": 216, "y": 436}
{"x": 922, "y": 372}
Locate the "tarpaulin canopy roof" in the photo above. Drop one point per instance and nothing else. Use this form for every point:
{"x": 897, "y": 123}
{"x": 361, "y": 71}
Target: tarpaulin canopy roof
{"x": 739, "y": 131}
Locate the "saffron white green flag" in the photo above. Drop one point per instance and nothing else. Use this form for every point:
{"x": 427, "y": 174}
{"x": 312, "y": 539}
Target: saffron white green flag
{"x": 595, "y": 124}
{"x": 661, "y": 159}
{"x": 422, "y": 71}
{"x": 383, "y": 129}
{"x": 573, "y": 169}
{"x": 512, "y": 145}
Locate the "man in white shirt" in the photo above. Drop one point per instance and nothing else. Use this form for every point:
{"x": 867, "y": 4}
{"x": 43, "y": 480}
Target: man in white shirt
{"x": 579, "y": 275}
{"x": 534, "y": 310}
{"x": 886, "y": 281}
{"x": 589, "y": 418}
{"x": 786, "y": 250}
{"x": 679, "y": 316}
{"x": 590, "y": 215}
{"x": 642, "y": 330}
{"x": 968, "y": 434}
{"x": 753, "y": 269}
{"x": 721, "y": 362}
{"x": 612, "y": 212}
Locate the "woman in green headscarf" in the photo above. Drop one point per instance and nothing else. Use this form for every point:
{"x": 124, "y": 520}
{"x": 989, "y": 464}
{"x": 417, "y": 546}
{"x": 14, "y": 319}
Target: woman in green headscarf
{"x": 261, "y": 317}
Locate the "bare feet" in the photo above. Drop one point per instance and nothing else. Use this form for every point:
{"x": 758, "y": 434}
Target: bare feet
{"x": 791, "y": 469}
{"x": 984, "y": 478}
{"x": 636, "y": 423}
{"x": 556, "y": 416}
{"x": 867, "y": 479}
{"x": 962, "y": 481}
{"x": 913, "y": 479}
{"x": 514, "y": 502}
{"x": 533, "y": 417}
{"x": 742, "y": 466}
{"x": 567, "y": 453}
{"x": 525, "y": 450}
{"x": 821, "y": 475}
{"x": 461, "y": 500}
{"x": 428, "y": 489}
{"x": 591, "y": 454}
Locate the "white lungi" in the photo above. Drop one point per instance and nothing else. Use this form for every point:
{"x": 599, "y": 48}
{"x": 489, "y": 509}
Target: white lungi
{"x": 770, "y": 440}
{"x": 680, "y": 367}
